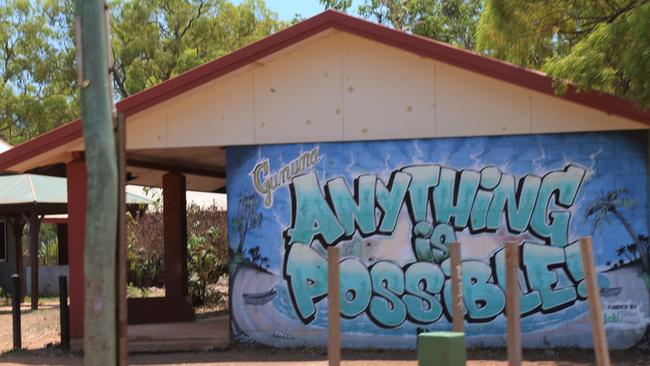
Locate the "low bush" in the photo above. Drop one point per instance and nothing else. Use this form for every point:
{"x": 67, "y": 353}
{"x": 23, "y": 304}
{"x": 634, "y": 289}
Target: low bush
{"x": 4, "y": 298}
{"x": 207, "y": 249}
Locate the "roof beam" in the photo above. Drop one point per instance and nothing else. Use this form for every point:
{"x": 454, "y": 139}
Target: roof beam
{"x": 177, "y": 168}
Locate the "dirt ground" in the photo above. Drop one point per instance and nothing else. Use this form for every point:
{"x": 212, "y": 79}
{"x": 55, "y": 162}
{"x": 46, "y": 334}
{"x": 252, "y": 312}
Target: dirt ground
{"x": 41, "y": 333}
{"x": 241, "y": 356}
{"x": 39, "y": 327}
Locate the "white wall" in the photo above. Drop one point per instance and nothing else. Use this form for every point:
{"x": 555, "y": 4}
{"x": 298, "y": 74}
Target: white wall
{"x": 48, "y": 279}
{"x": 342, "y": 87}
{"x": 203, "y": 199}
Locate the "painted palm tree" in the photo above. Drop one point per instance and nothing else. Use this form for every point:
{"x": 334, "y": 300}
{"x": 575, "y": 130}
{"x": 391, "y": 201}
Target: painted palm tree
{"x": 247, "y": 218}
{"x": 631, "y": 248}
{"x": 603, "y": 208}
{"x": 622, "y": 251}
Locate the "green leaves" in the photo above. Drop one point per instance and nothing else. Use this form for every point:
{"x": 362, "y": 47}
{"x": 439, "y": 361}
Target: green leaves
{"x": 207, "y": 249}
{"x": 450, "y": 21}
{"x": 602, "y": 45}
{"x": 36, "y": 86}
{"x": 156, "y": 40}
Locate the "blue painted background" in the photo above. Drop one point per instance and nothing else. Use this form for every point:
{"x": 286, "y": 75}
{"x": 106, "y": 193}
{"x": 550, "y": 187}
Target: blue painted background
{"x": 263, "y": 302}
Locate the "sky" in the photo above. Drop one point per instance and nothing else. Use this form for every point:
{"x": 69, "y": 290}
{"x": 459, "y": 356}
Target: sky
{"x": 286, "y": 9}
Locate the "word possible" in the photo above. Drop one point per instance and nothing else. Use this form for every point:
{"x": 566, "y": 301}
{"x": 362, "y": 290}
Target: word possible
{"x": 421, "y": 291}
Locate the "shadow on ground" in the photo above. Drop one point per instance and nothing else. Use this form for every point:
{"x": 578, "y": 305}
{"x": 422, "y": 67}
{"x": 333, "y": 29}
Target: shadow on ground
{"x": 260, "y": 355}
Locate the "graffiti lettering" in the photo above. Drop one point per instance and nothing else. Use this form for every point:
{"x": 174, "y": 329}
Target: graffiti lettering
{"x": 266, "y": 184}
{"x": 440, "y": 201}
{"x": 393, "y": 207}
{"x": 460, "y": 199}
{"x": 421, "y": 291}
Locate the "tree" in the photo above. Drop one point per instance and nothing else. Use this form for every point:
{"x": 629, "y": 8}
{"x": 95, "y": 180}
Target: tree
{"x": 611, "y": 203}
{"x": 152, "y": 42}
{"x": 207, "y": 230}
{"x": 247, "y": 218}
{"x": 622, "y": 251}
{"x": 207, "y": 250}
{"x": 451, "y": 21}
{"x": 37, "y": 72}
{"x": 601, "y": 44}
{"x": 159, "y": 39}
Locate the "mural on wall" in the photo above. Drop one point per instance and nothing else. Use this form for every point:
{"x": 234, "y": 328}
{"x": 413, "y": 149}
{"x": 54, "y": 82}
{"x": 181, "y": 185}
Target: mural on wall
{"x": 393, "y": 207}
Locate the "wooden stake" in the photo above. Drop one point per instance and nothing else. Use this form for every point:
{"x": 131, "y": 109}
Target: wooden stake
{"x": 334, "y": 307}
{"x": 458, "y": 316}
{"x": 512, "y": 304}
{"x": 595, "y": 308}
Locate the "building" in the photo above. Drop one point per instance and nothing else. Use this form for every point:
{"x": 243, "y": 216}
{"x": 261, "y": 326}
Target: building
{"x": 28, "y": 200}
{"x": 337, "y": 131}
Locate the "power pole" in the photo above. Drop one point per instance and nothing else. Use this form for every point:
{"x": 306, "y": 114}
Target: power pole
{"x": 100, "y": 346}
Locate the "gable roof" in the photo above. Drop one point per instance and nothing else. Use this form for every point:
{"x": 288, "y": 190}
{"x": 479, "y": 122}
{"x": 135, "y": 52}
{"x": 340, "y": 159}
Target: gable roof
{"x": 330, "y": 19}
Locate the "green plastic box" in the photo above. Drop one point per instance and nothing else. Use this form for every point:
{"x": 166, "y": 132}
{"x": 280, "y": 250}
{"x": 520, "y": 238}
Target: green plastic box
{"x": 441, "y": 349}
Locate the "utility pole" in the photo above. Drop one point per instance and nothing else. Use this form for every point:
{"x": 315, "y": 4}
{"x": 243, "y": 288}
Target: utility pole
{"x": 100, "y": 346}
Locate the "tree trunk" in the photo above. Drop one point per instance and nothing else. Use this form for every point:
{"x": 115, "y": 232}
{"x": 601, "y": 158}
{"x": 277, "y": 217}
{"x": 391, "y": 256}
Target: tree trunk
{"x": 645, "y": 261}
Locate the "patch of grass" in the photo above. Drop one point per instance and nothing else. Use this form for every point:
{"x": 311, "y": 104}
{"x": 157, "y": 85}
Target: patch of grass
{"x": 43, "y": 299}
{"x": 4, "y": 297}
{"x": 142, "y": 292}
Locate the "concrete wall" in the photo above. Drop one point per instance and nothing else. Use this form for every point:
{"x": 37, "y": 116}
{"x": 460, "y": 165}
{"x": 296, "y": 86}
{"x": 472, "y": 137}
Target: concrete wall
{"x": 48, "y": 279}
{"x": 393, "y": 206}
{"x": 341, "y": 87}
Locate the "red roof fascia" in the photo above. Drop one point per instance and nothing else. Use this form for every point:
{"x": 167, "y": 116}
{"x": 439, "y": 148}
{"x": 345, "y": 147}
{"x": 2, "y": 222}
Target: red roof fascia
{"x": 41, "y": 144}
{"x": 330, "y": 19}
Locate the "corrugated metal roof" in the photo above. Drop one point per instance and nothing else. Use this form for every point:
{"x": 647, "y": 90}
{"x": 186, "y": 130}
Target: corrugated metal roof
{"x": 30, "y": 188}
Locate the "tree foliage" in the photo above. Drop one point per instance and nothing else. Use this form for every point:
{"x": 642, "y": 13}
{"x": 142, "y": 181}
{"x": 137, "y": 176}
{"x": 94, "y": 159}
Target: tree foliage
{"x": 159, "y": 39}
{"x": 451, "y": 21}
{"x": 601, "y": 211}
{"x": 603, "y": 44}
{"x": 153, "y": 41}
{"x": 37, "y": 75}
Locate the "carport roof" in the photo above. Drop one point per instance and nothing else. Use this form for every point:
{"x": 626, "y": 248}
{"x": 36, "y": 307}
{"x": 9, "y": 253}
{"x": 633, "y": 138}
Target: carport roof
{"x": 330, "y": 19}
{"x": 34, "y": 188}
